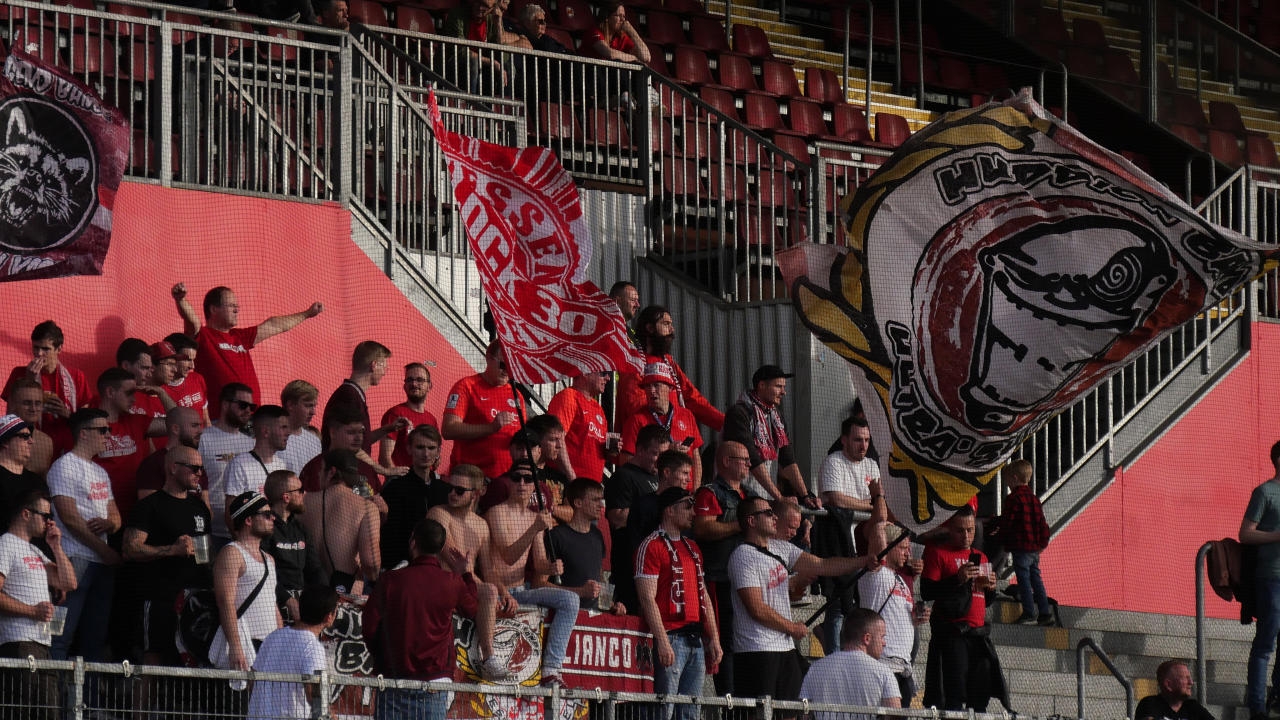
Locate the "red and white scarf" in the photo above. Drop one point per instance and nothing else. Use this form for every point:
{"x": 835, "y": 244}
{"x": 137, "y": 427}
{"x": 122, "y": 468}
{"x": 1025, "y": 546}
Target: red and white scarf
{"x": 767, "y": 431}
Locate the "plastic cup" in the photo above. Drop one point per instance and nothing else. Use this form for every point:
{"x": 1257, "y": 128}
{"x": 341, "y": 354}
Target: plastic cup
{"x": 202, "y": 549}
{"x": 612, "y": 442}
{"x": 58, "y": 623}
{"x": 987, "y": 570}
{"x": 605, "y": 600}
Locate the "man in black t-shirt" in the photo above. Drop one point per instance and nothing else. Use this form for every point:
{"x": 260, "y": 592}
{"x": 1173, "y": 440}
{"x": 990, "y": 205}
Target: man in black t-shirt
{"x": 297, "y": 564}
{"x": 1174, "y": 700}
{"x": 15, "y": 479}
{"x": 161, "y": 536}
{"x": 634, "y": 479}
{"x": 409, "y": 497}
{"x": 580, "y": 544}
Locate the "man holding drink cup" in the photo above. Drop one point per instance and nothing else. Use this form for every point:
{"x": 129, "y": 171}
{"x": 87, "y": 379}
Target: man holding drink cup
{"x": 168, "y": 531}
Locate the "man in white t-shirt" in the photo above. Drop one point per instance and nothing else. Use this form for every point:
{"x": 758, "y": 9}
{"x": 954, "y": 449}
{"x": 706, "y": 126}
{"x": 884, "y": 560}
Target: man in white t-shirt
{"x": 855, "y": 675}
{"x": 248, "y": 472}
{"x": 843, "y": 484}
{"x": 766, "y": 661}
{"x": 26, "y": 574}
{"x": 294, "y": 650}
{"x": 300, "y": 398}
{"x": 220, "y": 443}
{"x": 887, "y": 590}
{"x": 86, "y": 514}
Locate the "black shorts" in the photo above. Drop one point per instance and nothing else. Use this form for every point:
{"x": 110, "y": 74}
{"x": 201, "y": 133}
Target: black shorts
{"x": 159, "y": 625}
{"x": 776, "y": 674}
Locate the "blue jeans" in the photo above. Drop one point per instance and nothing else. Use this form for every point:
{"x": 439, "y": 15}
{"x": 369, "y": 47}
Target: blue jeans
{"x": 88, "y": 612}
{"x": 565, "y": 603}
{"x": 1026, "y": 567}
{"x": 1264, "y": 643}
{"x": 682, "y": 677}
{"x": 399, "y": 704}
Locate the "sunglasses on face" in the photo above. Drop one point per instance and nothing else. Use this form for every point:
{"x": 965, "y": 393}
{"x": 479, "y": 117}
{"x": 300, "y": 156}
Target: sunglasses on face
{"x": 458, "y": 489}
{"x": 46, "y": 515}
{"x": 191, "y": 466}
{"x": 246, "y": 405}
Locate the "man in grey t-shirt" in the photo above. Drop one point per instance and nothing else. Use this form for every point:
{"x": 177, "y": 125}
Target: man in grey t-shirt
{"x": 1261, "y": 527}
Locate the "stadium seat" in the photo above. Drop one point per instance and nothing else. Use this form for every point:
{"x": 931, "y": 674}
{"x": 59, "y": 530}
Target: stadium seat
{"x": 733, "y": 189}
{"x": 823, "y": 85}
{"x": 128, "y": 28}
{"x": 805, "y": 118}
{"x": 707, "y": 34}
{"x": 183, "y": 36}
{"x": 1188, "y": 134}
{"x": 699, "y": 139}
{"x": 954, "y": 75}
{"x": 794, "y": 146}
{"x": 414, "y": 19}
{"x": 778, "y": 78}
{"x": 442, "y": 6}
{"x": 686, "y": 8}
{"x": 891, "y": 130}
{"x": 751, "y": 41}
{"x": 92, "y": 57}
{"x": 681, "y": 179}
{"x": 762, "y": 113}
{"x": 911, "y": 68}
{"x": 557, "y": 122}
{"x": 991, "y": 81}
{"x": 1185, "y": 109}
{"x": 850, "y": 124}
{"x": 1087, "y": 32}
{"x": 605, "y": 127}
{"x": 76, "y": 22}
{"x": 735, "y": 73}
{"x": 777, "y": 190}
{"x": 719, "y": 99}
{"x": 1261, "y": 151}
{"x": 663, "y": 28}
{"x": 1225, "y": 116}
{"x": 368, "y": 12}
{"x": 38, "y": 41}
{"x": 277, "y": 51}
{"x": 574, "y": 15}
{"x": 692, "y": 67}
{"x": 1225, "y": 148}
{"x": 1084, "y": 62}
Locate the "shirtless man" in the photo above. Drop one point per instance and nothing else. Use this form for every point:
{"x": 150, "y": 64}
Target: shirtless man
{"x": 517, "y": 531}
{"x": 343, "y": 526}
{"x": 468, "y": 535}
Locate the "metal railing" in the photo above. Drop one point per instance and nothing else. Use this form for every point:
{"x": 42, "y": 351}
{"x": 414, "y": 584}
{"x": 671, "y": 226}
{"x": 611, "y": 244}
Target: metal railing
{"x": 1202, "y": 667}
{"x": 78, "y": 690}
{"x": 1089, "y": 643}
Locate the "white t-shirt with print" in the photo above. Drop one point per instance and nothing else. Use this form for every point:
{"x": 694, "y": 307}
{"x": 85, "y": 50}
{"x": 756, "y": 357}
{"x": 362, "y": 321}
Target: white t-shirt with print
{"x": 25, "y": 580}
{"x": 888, "y": 593}
{"x": 290, "y": 652}
{"x": 750, "y": 567}
{"x": 840, "y": 474}
{"x": 89, "y": 485}
{"x": 217, "y": 449}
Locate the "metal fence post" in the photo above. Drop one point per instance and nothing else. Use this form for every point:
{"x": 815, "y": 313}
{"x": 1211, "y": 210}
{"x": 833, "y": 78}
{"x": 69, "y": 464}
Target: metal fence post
{"x": 322, "y": 692}
{"x": 343, "y": 136}
{"x": 77, "y": 690}
{"x": 1201, "y": 665}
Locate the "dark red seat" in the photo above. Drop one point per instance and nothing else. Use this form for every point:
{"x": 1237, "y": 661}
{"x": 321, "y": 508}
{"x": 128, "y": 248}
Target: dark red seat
{"x": 1185, "y": 109}
{"x": 681, "y": 178}
{"x": 1087, "y": 32}
{"x": 41, "y": 42}
{"x": 954, "y": 74}
{"x": 414, "y": 19}
{"x": 707, "y": 33}
{"x": 1225, "y": 148}
{"x": 692, "y": 67}
{"x": 663, "y": 28}
{"x": 850, "y": 124}
{"x": 1225, "y": 116}
{"x": 736, "y": 73}
{"x": 891, "y": 130}
{"x": 805, "y": 118}
{"x": 92, "y": 57}
{"x": 778, "y": 78}
{"x": 557, "y": 122}
{"x": 719, "y": 99}
{"x": 751, "y": 41}
{"x": 699, "y": 140}
{"x": 605, "y": 127}
{"x": 794, "y": 146}
{"x": 1188, "y": 134}
{"x": 128, "y": 28}
{"x": 1261, "y": 151}
{"x": 565, "y": 38}
{"x": 823, "y": 85}
{"x": 762, "y": 113}
{"x": 368, "y": 12}
{"x": 1051, "y": 28}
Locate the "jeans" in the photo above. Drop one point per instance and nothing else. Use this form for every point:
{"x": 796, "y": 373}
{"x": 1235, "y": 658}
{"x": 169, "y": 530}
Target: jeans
{"x": 1264, "y": 643}
{"x": 88, "y": 612}
{"x": 565, "y": 603}
{"x": 1026, "y": 567}
{"x": 682, "y": 677}
{"x": 411, "y": 705}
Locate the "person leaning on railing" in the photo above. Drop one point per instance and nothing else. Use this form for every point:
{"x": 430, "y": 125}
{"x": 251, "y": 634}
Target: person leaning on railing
{"x": 614, "y": 38}
{"x": 475, "y": 20}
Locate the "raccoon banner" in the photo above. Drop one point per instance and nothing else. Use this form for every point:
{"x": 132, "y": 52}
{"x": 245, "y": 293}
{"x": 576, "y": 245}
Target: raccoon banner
{"x": 62, "y": 156}
{"x": 999, "y": 266}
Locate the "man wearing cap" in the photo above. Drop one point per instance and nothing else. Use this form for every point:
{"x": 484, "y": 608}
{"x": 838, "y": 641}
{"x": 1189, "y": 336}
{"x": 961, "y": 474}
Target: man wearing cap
{"x": 223, "y": 349}
{"x": 244, "y": 582}
{"x": 15, "y": 478}
{"x": 26, "y": 574}
{"x": 248, "y": 471}
{"x": 87, "y": 514}
{"x": 342, "y": 525}
{"x": 658, "y": 383}
{"x": 481, "y": 414}
{"x": 394, "y": 448}
{"x": 655, "y": 332}
{"x": 164, "y": 367}
{"x": 675, "y": 603}
{"x": 187, "y": 387}
{"x": 26, "y": 400}
{"x": 756, "y": 422}
{"x": 160, "y": 536}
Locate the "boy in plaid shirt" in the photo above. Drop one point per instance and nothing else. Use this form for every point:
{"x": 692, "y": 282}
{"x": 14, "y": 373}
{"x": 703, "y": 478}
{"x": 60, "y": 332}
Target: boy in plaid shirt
{"x": 1025, "y": 533}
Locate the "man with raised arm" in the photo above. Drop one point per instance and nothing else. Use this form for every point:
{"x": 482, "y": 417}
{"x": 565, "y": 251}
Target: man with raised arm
{"x": 517, "y": 534}
{"x": 223, "y": 354}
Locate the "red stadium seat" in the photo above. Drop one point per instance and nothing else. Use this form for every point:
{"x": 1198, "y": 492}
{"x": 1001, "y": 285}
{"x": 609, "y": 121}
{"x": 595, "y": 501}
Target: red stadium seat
{"x": 277, "y": 51}
{"x": 1188, "y": 134}
{"x": 663, "y": 28}
{"x": 735, "y": 73}
{"x": 954, "y": 74}
{"x": 699, "y": 139}
{"x": 1261, "y": 151}
{"x": 761, "y": 112}
{"x": 92, "y": 56}
{"x": 707, "y": 33}
{"x": 605, "y": 127}
{"x": 1185, "y": 109}
{"x": 574, "y": 15}
{"x": 1225, "y": 148}
{"x": 414, "y": 19}
{"x": 686, "y": 8}
{"x": 681, "y": 178}
{"x": 37, "y": 41}
{"x": 1225, "y": 116}
{"x": 565, "y": 38}
{"x": 692, "y": 67}
{"x": 794, "y": 146}
{"x": 1051, "y": 28}
{"x": 778, "y": 78}
{"x": 719, "y": 99}
{"x": 128, "y": 28}
{"x": 850, "y": 124}
{"x": 1087, "y": 32}
{"x": 891, "y": 130}
{"x": 368, "y": 12}
{"x": 751, "y": 41}
{"x": 805, "y": 118}
{"x": 824, "y": 85}
{"x": 734, "y": 188}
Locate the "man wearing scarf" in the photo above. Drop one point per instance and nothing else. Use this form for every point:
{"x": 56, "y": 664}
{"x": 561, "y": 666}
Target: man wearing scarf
{"x": 756, "y": 422}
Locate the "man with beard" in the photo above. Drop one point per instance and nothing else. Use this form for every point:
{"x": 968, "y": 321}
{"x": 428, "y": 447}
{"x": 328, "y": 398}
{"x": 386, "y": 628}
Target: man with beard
{"x": 467, "y": 535}
{"x": 249, "y": 471}
{"x": 299, "y": 399}
{"x": 1174, "y": 700}
{"x": 655, "y": 333}
{"x": 659, "y": 386}
{"x": 410, "y": 496}
{"x": 220, "y": 443}
{"x": 297, "y": 564}
{"x": 241, "y": 567}
{"x": 182, "y": 429}
{"x": 756, "y": 422}
{"x": 395, "y": 446}
{"x": 482, "y": 414}
{"x": 26, "y": 400}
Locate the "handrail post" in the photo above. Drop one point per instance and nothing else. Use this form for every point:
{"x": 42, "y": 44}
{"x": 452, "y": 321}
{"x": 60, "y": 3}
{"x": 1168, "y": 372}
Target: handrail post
{"x": 1202, "y": 672}
{"x": 1088, "y": 642}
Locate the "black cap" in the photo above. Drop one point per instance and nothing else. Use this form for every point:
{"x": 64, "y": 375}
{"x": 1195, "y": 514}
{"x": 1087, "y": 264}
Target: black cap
{"x": 672, "y": 496}
{"x": 769, "y": 372}
{"x": 246, "y": 504}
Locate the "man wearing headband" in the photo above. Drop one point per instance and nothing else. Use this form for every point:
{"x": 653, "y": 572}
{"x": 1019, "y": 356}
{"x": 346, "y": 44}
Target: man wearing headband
{"x": 244, "y": 582}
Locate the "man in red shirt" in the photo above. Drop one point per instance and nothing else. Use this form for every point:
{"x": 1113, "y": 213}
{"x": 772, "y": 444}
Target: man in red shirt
{"x": 408, "y": 623}
{"x": 65, "y": 389}
{"x": 659, "y": 385}
{"x": 395, "y": 447}
{"x": 578, "y": 408}
{"x": 187, "y": 387}
{"x": 136, "y": 357}
{"x": 481, "y": 415}
{"x": 654, "y": 333}
{"x": 962, "y": 670}
{"x": 223, "y": 349}
{"x": 126, "y": 442}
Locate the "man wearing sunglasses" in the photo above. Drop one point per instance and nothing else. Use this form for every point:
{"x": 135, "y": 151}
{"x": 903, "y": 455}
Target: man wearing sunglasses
{"x": 297, "y": 562}
{"x": 15, "y": 479}
{"x": 766, "y": 661}
{"x": 26, "y": 400}
{"x": 220, "y": 443}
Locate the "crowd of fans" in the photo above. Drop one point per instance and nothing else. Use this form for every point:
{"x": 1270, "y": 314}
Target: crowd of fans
{"x": 170, "y": 476}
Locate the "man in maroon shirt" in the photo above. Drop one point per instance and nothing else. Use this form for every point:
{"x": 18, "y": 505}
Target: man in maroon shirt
{"x": 223, "y": 354}
{"x": 408, "y": 623}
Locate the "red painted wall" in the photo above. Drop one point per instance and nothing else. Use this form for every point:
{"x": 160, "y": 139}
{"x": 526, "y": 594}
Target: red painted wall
{"x": 277, "y": 256}
{"x": 1134, "y": 548}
